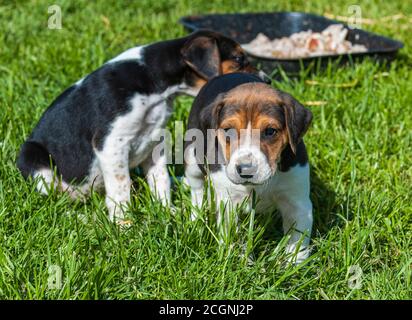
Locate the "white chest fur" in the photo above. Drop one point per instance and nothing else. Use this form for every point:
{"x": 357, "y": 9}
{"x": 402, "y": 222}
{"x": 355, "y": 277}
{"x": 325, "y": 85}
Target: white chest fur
{"x": 291, "y": 184}
{"x": 287, "y": 191}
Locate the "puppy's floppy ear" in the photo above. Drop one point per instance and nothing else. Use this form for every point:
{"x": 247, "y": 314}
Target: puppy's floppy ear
{"x": 202, "y": 55}
{"x": 298, "y": 119}
{"x": 209, "y": 116}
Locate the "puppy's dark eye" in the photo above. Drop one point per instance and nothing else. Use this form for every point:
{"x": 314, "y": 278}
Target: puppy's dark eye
{"x": 239, "y": 59}
{"x": 269, "y": 132}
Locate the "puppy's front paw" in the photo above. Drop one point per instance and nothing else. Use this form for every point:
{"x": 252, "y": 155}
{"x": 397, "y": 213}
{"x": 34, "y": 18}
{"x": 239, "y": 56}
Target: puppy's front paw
{"x": 116, "y": 210}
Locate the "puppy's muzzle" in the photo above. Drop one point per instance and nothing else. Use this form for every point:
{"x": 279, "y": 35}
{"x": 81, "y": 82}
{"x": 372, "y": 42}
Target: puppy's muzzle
{"x": 246, "y": 167}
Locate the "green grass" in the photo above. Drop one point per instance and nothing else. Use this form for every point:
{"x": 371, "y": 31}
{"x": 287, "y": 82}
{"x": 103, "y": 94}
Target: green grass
{"x": 359, "y": 145}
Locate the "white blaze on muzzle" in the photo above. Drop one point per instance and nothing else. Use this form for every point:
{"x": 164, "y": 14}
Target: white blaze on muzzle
{"x": 248, "y": 164}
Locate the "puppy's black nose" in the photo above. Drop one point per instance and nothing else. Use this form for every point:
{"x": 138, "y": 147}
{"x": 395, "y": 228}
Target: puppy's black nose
{"x": 245, "y": 171}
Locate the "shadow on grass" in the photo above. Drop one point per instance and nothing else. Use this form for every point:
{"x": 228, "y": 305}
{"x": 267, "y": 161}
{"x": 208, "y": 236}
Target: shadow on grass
{"x": 324, "y": 204}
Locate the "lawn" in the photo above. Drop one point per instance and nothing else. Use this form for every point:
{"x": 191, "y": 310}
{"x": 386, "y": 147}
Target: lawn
{"x": 360, "y": 148}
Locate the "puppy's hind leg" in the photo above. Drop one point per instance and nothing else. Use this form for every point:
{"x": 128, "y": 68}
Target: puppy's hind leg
{"x": 114, "y": 165}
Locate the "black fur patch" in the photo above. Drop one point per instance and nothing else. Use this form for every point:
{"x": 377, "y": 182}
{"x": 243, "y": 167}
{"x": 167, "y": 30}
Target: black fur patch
{"x": 288, "y": 159}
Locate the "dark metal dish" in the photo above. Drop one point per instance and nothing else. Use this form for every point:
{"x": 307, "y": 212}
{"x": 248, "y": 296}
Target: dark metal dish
{"x": 244, "y": 28}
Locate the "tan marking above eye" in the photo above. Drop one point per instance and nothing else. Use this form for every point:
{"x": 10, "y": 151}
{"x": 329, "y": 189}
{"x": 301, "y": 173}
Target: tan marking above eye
{"x": 234, "y": 122}
{"x": 263, "y": 121}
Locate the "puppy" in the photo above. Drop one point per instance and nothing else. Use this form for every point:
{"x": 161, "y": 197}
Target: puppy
{"x": 103, "y": 125}
{"x": 250, "y": 139}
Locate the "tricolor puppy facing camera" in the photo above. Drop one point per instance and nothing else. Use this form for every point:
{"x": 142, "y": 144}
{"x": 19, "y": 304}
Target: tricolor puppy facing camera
{"x": 256, "y": 145}
{"x": 103, "y": 125}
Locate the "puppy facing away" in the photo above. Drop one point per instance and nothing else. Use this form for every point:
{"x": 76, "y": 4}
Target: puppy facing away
{"x": 102, "y": 126}
{"x": 251, "y": 140}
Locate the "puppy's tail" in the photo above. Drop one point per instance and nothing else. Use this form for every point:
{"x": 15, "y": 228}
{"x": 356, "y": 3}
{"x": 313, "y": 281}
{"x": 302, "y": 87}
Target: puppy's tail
{"x": 33, "y": 156}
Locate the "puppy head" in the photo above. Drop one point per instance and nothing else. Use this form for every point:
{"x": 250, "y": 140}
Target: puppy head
{"x": 209, "y": 54}
{"x": 254, "y": 124}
